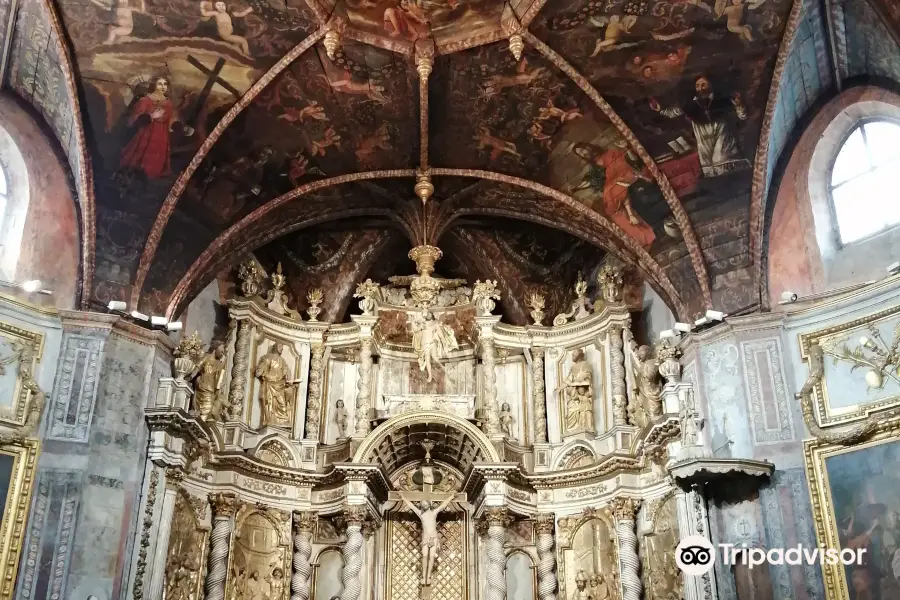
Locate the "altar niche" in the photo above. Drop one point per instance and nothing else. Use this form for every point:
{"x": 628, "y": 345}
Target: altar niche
{"x": 426, "y": 545}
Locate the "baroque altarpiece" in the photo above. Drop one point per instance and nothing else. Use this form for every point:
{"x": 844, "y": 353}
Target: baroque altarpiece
{"x": 425, "y": 449}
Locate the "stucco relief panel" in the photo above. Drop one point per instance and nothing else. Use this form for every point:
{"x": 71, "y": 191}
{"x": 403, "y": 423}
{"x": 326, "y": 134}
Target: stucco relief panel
{"x": 76, "y": 390}
{"x": 767, "y": 394}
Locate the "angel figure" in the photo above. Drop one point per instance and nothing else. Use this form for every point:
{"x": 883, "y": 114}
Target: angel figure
{"x": 340, "y": 418}
{"x": 615, "y": 26}
{"x": 432, "y": 340}
{"x": 224, "y": 23}
{"x": 734, "y": 15}
{"x": 124, "y": 15}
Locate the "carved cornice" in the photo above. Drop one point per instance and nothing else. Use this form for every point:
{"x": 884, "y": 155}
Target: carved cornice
{"x": 707, "y": 470}
{"x": 179, "y": 424}
{"x": 251, "y": 467}
{"x": 372, "y": 475}
{"x": 481, "y": 473}
{"x": 224, "y": 505}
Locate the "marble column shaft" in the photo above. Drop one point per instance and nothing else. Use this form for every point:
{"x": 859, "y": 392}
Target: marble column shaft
{"x": 363, "y": 388}
{"x": 352, "y": 552}
{"x": 496, "y": 519}
{"x": 488, "y": 357}
{"x": 538, "y": 395}
{"x": 617, "y": 367}
{"x": 625, "y": 514}
{"x": 304, "y": 524}
{"x": 314, "y": 391}
{"x": 223, "y": 508}
{"x": 546, "y": 567}
{"x": 238, "y": 388}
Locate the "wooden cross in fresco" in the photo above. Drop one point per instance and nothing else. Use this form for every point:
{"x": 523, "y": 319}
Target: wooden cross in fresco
{"x": 213, "y": 78}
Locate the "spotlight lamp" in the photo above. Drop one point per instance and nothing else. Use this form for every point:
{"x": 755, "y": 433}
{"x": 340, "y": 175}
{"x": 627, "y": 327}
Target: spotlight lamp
{"x": 139, "y": 316}
{"x": 174, "y": 326}
{"x": 116, "y": 306}
{"x": 158, "y": 321}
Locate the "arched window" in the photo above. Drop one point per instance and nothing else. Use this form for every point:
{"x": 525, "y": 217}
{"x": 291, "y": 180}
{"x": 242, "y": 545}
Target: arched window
{"x": 865, "y": 181}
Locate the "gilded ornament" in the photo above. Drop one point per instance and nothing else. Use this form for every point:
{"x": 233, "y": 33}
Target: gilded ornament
{"x": 667, "y": 356}
{"x": 516, "y": 46}
{"x": 332, "y": 42}
{"x": 580, "y": 307}
{"x": 276, "y": 298}
{"x": 424, "y": 53}
{"x": 249, "y": 274}
{"x": 544, "y": 523}
{"x": 483, "y": 294}
{"x": 370, "y": 294}
{"x": 187, "y": 354}
{"x": 536, "y": 303}
{"x": 611, "y": 281}
{"x": 141, "y": 567}
{"x": 424, "y": 189}
{"x": 224, "y": 505}
{"x": 33, "y": 418}
{"x": 625, "y": 508}
{"x": 314, "y": 298}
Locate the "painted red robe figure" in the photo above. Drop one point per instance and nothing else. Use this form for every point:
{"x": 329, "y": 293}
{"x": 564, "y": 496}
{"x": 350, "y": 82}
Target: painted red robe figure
{"x": 150, "y": 148}
{"x": 611, "y": 175}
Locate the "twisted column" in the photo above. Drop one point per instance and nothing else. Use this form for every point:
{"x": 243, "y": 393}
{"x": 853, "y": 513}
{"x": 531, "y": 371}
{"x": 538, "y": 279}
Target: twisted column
{"x": 223, "y": 508}
{"x": 488, "y": 356}
{"x": 546, "y": 567}
{"x": 496, "y": 518}
{"x": 304, "y": 523}
{"x": 363, "y": 391}
{"x": 314, "y": 392}
{"x": 355, "y": 517}
{"x": 238, "y": 388}
{"x": 625, "y": 510}
{"x": 538, "y": 397}
{"x": 617, "y": 366}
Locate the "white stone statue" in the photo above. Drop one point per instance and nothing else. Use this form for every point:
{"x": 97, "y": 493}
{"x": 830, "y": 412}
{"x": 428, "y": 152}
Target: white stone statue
{"x": 432, "y": 340}
{"x": 427, "y": 512}
{"x": 506, "y": 420}
{"x": 340, "y": 418}
{"x": 579, "y": 395}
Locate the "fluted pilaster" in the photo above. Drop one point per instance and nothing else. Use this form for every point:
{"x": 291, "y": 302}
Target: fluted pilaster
{"x": 489, "y": 360}
{"x": 617, "y": 367}
{"x": 355, "y": 517}
{"x": 238, "y": 388}
{"x": 546, "y": 567}
{"x": 538, "y": 397}
{"x": 625, "y": 511}
{"x": 496, "y": 519}
{"x": 363, "y": 387}
{"x": 223, "y": 508}
{"x": 314, "y": 394}
{"x": 304, "y": 524}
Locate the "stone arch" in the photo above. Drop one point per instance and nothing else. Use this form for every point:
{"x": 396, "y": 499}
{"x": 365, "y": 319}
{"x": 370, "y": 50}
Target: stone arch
{"x": 394, "y": 443}
{"x": 274, "y": 449}
{"x": 571, "y": 454}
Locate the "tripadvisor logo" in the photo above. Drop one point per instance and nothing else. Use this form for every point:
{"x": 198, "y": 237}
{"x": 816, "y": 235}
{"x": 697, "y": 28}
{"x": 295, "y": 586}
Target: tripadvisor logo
{"x": 695, "y": 555}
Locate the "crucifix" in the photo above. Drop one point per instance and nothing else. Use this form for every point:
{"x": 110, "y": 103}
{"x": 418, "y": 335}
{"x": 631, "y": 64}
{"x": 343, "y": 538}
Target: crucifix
{"x": 426, "y": 505}
{"x": 213, "y": 77}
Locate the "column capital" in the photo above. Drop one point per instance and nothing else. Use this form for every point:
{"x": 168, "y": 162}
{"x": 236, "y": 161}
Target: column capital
{"x": 304, "y": 521}
{"x": 496, "y": 516}
{"x": 224, "y": 505}
{"x": 625, "y": 508}
{"x": 544, "y": 523}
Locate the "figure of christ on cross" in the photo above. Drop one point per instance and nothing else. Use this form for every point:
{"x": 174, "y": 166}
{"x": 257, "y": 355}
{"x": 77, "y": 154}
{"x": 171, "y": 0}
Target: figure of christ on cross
{"x": 425, "y": 505}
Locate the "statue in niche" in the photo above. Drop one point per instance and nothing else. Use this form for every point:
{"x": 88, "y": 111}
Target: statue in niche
{"x": 427, "y": 511}
{"x": 579, "y": 395}
{"x": 432, "y": 340}
{"x": 208, "y": 377}
{"x": 648, "y": 384}
{"x": 272, "y": 371}
{"x": 340, "y": 418}
{"x": 506, "y": 420}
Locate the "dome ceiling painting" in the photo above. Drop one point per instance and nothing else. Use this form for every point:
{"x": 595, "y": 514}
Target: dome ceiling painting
{"x": 625, "y": 128}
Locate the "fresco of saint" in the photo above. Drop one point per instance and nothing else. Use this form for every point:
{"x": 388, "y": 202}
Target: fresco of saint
{"x": 153, "y": 118}
{"x": 610, "y": 175}
{"x": 713, "y": 119}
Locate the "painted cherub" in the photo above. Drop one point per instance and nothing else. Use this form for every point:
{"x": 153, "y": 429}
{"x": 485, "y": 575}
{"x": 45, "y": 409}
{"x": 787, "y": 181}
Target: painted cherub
{"x": 615, "y": 26}
{"x": 124, "y": 14}
{"x": 734, "y": 15}
{"x": 224, "y": 23}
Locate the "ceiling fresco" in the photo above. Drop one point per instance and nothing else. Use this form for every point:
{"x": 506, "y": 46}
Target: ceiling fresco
{"x": 625, "y": 127}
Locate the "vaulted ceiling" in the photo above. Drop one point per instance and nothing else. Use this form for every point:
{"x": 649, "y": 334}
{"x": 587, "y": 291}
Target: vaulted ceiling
{"x": 200, "y": 132}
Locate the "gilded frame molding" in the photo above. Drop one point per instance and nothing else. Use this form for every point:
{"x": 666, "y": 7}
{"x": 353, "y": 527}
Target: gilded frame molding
{"x": 18, "y": 502}
{"x": 815, "y": 453}
{"x": 25, "y": 362}
{"x": 826, "y": 416}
